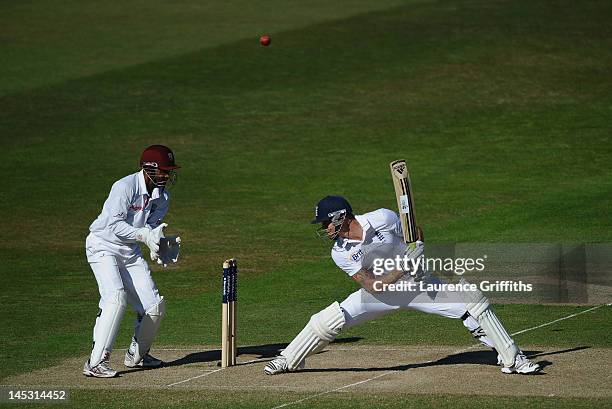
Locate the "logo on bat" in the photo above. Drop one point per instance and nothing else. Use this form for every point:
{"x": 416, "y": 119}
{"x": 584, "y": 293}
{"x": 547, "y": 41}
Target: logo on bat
{"x": 400, "y": 169}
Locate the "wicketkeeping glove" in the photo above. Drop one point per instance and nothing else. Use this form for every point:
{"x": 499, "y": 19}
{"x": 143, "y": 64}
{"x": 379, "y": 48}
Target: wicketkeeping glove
{"x": 151, "y": 238}
{"x": 169, "y": 249}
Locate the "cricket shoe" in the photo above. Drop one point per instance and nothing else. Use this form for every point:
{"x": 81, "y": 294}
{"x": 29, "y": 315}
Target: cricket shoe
{"x": 102, "y": 370}
{"x": 279, "y": 365}
{"x": 147, "y": 361}
{"x": 522, "y": 365}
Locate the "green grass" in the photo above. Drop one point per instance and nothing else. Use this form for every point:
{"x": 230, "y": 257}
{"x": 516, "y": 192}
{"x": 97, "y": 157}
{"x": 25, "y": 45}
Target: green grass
{"x": 47, "y": 43}
{"x": 503, "y": 110}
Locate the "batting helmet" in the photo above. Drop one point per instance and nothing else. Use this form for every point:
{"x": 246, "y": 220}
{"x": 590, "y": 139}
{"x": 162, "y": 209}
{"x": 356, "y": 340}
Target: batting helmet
{"x": 330, "y": 206}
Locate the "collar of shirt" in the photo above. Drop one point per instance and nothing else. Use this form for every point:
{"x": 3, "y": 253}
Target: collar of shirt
{"x": 142, "y": 187}
{"x": 365, "y": 225}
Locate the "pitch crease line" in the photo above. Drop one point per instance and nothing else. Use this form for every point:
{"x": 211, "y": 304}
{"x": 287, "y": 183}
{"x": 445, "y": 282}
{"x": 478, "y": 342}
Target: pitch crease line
{"x": 560, "y": 319}
{"x": 463, "y": 350}
{"x": 210, "y": 372}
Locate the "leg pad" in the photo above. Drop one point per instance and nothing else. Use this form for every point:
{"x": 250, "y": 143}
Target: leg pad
{"x": 107, "y": 325}
{"x": 479, "y": 307}
{"x": 322, "y": 328}
{"x": 147, "y": 331}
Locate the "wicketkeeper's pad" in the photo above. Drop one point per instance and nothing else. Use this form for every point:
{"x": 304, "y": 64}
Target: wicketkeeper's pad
{"x": 107, "y": 325}
{"x": 149, "y": 326}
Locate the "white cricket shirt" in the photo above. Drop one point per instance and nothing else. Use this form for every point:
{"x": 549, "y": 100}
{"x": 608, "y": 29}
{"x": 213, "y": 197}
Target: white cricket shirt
{"x": 127, "y": 208}
{"x": 382, "y": 238}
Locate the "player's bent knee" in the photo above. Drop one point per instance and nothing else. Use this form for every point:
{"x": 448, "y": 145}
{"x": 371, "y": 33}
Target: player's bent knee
{"x": 476, "y": 302}
{"x": 322, "y": 328}
{"x": 328, "y": 322}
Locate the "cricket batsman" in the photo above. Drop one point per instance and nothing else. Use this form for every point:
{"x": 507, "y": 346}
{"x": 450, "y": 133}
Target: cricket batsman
{"x": 359, "y": 240}
{"x": 132, "y": 213}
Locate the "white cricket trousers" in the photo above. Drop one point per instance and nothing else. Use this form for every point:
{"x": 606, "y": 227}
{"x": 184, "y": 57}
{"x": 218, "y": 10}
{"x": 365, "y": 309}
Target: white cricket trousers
{"x": 362, "y": 306}
{"x": 131, "y": 274}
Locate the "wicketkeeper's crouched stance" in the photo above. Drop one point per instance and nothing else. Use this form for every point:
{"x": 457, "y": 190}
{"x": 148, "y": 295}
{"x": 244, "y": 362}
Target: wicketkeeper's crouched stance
{"x": 132, "y": 213}
{"x": 358, "y": 240}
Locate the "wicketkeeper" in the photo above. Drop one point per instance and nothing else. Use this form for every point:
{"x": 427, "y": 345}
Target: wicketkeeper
{"x": 132, "y": 213}
{"x": 359, "y": 240}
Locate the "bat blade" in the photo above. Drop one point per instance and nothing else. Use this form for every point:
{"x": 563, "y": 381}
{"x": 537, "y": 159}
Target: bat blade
{"x": 405, "y": 202}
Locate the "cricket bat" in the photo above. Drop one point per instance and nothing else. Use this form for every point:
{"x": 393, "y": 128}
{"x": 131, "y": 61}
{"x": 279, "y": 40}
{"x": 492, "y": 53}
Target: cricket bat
{"x": 405, "y": 203}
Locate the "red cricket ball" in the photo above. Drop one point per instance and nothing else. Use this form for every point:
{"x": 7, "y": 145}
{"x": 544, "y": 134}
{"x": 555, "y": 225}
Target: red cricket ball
{"x": 265, "y": 40}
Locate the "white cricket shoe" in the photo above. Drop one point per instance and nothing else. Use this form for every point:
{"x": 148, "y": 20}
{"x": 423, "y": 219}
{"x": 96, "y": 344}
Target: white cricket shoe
{"x": 147, "y": 361}
{"x": 279, "y": 365}
{"x": 522, "y": 365}
{"x": 276, "y": 366}
{"x": 102, "y": 370}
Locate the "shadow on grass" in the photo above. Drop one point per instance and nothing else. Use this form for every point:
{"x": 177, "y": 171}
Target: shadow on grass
{"x": 468, "y": 357}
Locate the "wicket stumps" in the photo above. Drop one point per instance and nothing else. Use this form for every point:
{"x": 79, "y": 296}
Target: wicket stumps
{"x": 228, "y": 311}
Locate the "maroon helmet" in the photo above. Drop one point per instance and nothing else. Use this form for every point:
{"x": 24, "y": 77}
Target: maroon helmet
{"x": 158, "y": 156}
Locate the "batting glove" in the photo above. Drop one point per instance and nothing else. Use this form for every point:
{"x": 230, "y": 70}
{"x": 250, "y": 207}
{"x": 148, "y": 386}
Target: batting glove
{"x": 415, "y": 250}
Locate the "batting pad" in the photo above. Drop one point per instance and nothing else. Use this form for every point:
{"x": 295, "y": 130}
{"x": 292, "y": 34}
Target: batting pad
{"x": 107, "y": 326}
{"x": 504, "y": 345}
{"x": 322, "y": 328}
{"x": 148, "y": 329}
{"x": 479, "y": 307}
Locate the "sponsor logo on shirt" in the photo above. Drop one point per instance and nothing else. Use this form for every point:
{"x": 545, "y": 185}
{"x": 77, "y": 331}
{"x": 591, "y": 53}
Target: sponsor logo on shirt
{"x": 357, "y": 256}
{"x": 139, "y": 208}
{"x": 379, "y": 235}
